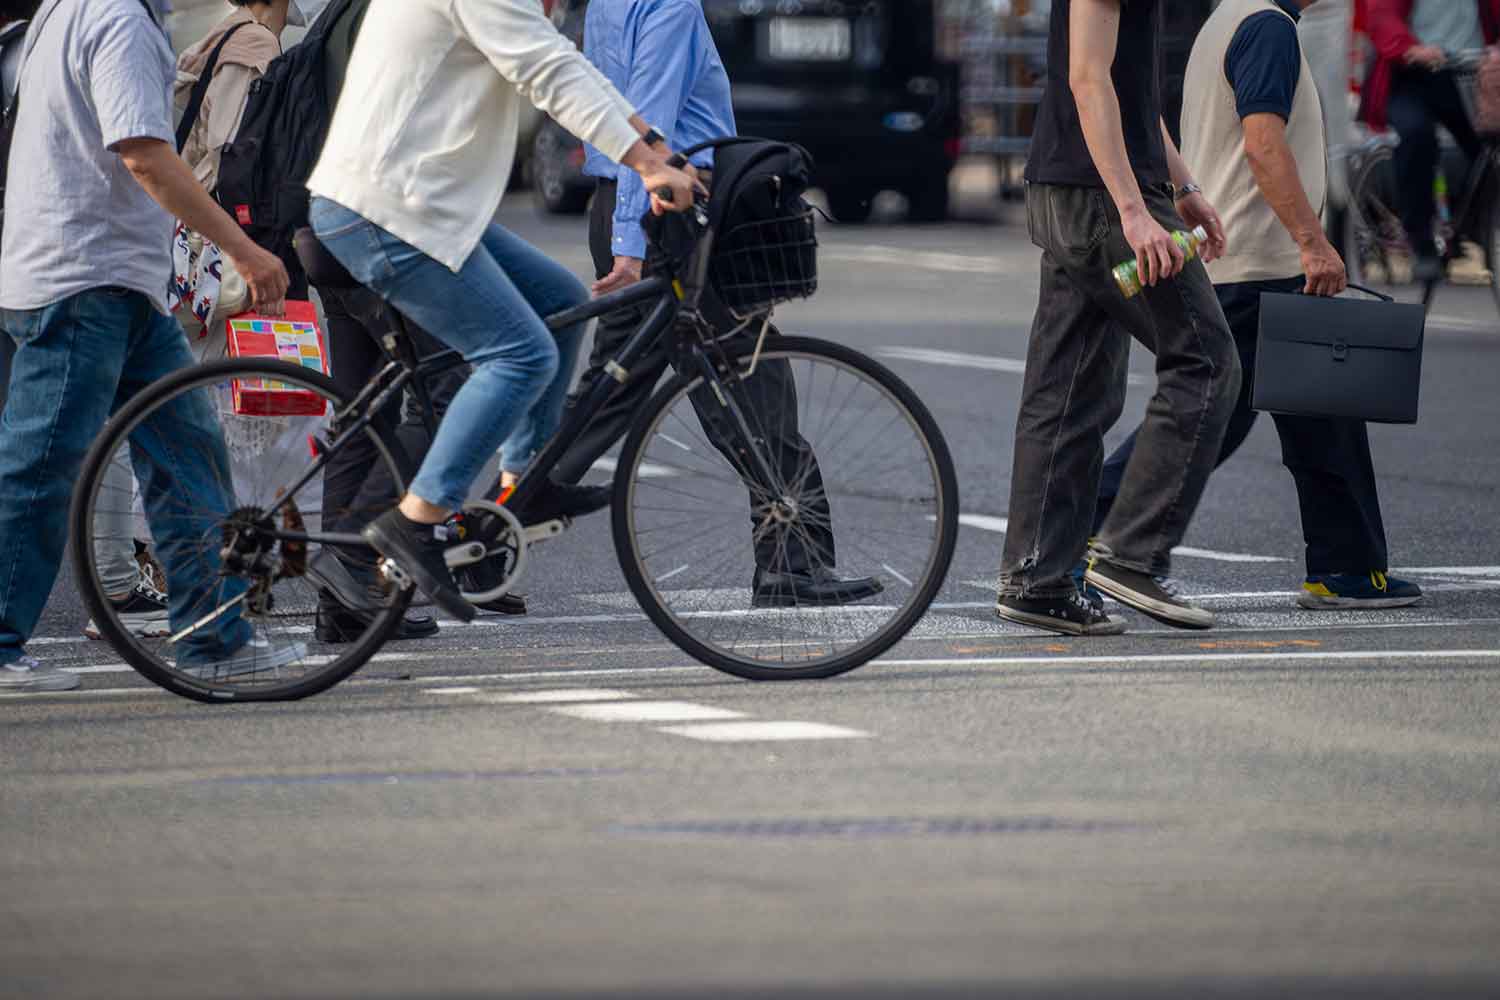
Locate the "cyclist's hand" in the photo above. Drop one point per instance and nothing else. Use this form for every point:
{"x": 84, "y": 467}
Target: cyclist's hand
{"x": 1157, "y": 256}
{"x": 1429, "y": 56}
{"x": 1324, "y": 269}
{"x": 627, "y": 271}
{"x": 1196, "y": 210}
{"x": 266, "y": 278}
{"x": 681, "y": 184}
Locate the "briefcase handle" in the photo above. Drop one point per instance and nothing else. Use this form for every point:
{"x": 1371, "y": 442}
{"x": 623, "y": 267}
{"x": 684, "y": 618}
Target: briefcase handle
{"x": 1370, "y": 291}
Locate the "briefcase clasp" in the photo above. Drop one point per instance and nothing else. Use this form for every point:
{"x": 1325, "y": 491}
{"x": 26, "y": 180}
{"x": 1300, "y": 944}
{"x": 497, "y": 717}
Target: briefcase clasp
{"x": 1340, "y": 350}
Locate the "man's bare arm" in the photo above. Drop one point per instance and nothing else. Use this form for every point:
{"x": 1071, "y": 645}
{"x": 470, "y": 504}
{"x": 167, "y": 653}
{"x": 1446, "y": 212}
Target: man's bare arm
{"x": 1093, "y": 36}
{"x": 166, "y": 178}
{"x": 1195, "y": 208}
{"x": 1275, "y": 170}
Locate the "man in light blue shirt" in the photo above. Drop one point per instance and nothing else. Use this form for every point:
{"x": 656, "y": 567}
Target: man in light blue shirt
{"x": 661, "y": 56}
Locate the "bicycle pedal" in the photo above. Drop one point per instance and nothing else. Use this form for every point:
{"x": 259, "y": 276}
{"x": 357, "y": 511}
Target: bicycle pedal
{"x": 547, "y": 530}
{"x": 392, "y": 573}
{"x": 463, "y": 555}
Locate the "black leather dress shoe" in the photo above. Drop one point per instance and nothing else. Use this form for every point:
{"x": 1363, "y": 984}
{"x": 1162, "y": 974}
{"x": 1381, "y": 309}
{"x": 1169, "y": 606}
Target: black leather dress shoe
{"x": 339, "y": 625}
{"x": 820, "y": 588}
{"x": 510, "y": 604}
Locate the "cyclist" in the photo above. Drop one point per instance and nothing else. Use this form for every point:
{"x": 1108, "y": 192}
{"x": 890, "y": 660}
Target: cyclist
{"x": 410, "y": 175}
{"x": 1408, "y": 91}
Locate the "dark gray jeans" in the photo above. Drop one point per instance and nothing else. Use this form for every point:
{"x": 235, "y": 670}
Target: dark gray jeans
{"x": 1074, "y": 391}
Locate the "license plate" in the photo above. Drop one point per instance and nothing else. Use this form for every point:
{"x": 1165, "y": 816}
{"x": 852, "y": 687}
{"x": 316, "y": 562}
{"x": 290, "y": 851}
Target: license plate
{"x": 810, "y": 39}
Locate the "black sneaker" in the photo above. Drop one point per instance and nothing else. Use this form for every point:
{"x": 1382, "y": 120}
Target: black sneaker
{"x": 418, "y": 550}
{"x": 1069, "y": 615}
{"x": 556, "y": 500}
{"x": 143, "y": 612}
{"x": 1152, "y": 596}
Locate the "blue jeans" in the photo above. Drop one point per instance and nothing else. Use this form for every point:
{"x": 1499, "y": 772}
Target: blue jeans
{"x": 77, "y": 362}
{"x": 491, "y": 312}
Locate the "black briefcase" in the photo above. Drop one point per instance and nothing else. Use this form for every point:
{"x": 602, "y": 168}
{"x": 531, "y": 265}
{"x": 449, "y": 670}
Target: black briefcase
{"x": 1322, "y": 357}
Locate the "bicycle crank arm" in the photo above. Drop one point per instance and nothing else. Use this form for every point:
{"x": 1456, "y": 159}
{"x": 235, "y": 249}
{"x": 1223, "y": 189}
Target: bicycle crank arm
{"x": 546, "y": 531}
{"x": 467, "y": 554}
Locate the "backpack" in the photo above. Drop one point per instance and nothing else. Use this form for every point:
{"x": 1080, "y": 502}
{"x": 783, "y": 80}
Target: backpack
{"x": 263, "y": 172}
{"x": 764, "y": 246}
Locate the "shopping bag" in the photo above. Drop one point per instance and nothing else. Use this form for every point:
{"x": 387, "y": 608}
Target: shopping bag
{"x": 294, "y": 338}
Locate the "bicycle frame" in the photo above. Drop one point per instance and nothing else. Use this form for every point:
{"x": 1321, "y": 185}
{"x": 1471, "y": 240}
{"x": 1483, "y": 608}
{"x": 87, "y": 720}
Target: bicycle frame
{"x": 406, "y": 370}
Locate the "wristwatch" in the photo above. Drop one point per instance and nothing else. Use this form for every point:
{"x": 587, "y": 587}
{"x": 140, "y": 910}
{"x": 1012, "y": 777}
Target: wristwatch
{"x": 1187, "y": 189}
{"x": 653, "y": 137}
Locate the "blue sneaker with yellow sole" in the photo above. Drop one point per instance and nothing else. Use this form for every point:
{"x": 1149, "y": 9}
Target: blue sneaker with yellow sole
{"x": 1353, "y": 591}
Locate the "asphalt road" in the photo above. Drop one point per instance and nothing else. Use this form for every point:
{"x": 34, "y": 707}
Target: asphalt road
{"x": 1293, "y": 804}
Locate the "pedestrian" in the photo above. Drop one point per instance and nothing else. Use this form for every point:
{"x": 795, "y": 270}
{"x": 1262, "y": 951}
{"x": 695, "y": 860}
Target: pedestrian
{"x": 1250, "y": 87}
{"x": 1410, "y": 89}
{"x": 1100, "y": 189}
{"x": 94, "y": 185}
{"x": 661, "y": 55}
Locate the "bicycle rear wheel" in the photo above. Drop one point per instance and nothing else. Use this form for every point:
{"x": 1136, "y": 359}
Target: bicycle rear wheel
{"x": 807, "y": 549}
{"x": 224, "y": 506}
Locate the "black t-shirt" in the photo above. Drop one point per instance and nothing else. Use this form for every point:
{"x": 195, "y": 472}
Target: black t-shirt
{"x": 1058, "y": 153}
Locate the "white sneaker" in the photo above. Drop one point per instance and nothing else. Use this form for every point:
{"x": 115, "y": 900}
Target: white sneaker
{"x": 28, "y": 675}
{"x": 254, "y": 657}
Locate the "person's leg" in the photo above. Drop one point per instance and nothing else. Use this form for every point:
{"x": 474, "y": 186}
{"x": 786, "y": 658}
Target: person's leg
{"x": 114, "y": 538}
{"x": 611, "y": 332}
{"x": 1330, "y": 462}
{"x": 1415, "y": 159}
{"x": 63, "y": 382}
{"x": 548, "y": 288}
{"x": 356, "y": 484}
{"x": 179, "y": 452}
{"x": 1198, "y": 383}
{"x": 1072, "y": 393}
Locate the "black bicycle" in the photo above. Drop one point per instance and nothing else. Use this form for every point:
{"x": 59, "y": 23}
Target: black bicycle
{"x": 1381, "y": 249}
{"x": 763, "y": 456}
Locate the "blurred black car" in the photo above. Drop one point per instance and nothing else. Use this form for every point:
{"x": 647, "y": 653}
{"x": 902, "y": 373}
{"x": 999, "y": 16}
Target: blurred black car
{"x": 857, "y": 82}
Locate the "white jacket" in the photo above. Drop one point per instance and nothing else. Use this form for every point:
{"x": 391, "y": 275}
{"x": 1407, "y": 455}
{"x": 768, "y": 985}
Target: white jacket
{"x": 424, "y": 136}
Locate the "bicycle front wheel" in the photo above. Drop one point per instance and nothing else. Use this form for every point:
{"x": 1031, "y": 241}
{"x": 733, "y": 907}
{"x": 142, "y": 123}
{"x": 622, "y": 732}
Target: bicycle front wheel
{"x": 793, "y": 521}
{"x": 195, "y": 526}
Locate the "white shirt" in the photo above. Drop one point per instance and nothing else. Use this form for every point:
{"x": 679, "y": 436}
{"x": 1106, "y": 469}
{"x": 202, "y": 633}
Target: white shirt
{"x": 424, "y": 136}
{"x": 99, "y": 72}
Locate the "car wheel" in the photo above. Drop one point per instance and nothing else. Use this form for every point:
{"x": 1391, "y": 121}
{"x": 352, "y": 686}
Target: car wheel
{"x": 555, "y": 193}
{"x": 851, "y": 207}
{"x": 929, "y": 200}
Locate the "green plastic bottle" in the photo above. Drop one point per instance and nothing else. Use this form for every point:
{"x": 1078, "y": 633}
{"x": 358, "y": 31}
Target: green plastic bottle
{"x": 1128, "y": 275}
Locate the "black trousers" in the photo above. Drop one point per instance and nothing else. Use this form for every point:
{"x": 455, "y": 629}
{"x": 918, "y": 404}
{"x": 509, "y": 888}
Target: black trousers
{"x": 1420, "y": 100}
{"x": 1074, "y": 390}
{"x": 357, "y": 484}
{"x": 1329, "y": 459}
{"x": 771, "y": 404}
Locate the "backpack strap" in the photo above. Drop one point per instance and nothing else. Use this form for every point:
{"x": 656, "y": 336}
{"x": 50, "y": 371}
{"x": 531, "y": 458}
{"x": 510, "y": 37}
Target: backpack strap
{"x": 200, "y": 89}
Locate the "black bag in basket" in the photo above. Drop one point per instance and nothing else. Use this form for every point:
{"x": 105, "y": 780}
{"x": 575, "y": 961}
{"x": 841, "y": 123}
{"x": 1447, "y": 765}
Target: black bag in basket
{"x": 764, "y": 245}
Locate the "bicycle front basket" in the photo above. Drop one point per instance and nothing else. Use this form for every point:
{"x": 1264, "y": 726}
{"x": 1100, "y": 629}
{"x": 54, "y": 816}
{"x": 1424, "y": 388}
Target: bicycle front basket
{"x": 758, "y": 264}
